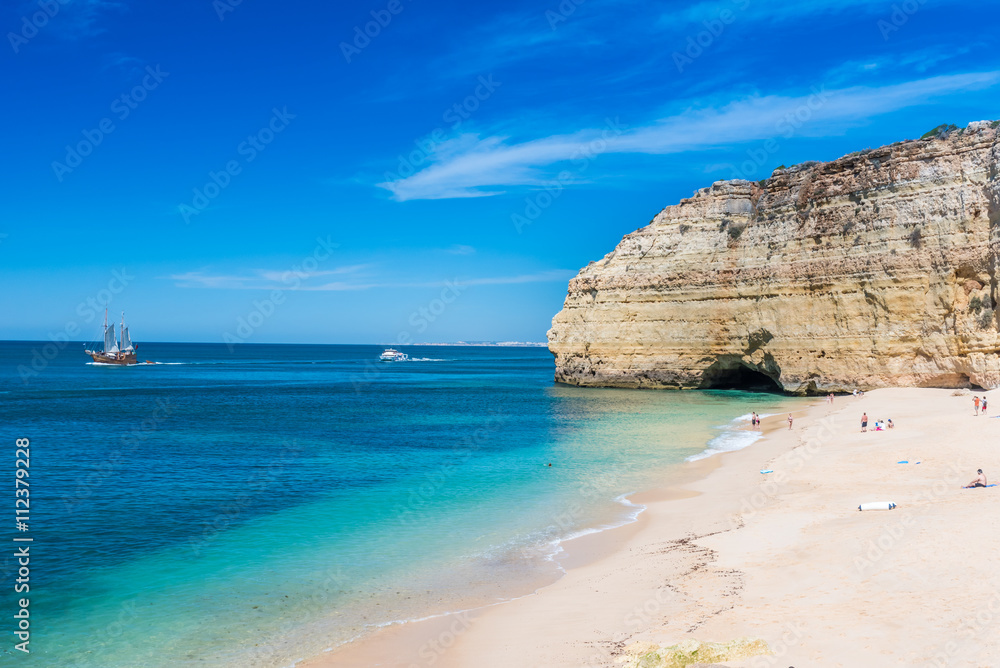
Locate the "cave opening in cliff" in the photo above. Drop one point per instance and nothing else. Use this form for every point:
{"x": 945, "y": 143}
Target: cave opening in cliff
{"x": 724, "y": 375}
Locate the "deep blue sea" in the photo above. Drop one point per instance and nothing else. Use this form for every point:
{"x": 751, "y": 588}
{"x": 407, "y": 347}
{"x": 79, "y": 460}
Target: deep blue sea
{"x": 256, "y": 506}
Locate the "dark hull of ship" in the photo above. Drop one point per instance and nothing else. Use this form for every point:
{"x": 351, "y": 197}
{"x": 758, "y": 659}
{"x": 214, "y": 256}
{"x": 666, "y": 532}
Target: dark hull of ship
{"x": 122, "y": 359}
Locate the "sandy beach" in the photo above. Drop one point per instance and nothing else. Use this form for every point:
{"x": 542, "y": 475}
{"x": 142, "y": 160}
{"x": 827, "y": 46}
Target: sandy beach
{"x": 728, "y": 553}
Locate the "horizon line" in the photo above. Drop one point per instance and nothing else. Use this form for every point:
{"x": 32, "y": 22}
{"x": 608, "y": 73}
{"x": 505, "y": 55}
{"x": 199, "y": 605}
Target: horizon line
{"x": 485, "y": 344}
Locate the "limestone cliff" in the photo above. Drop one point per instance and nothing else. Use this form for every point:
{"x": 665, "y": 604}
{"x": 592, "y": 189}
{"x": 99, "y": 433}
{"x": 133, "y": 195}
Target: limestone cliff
{"x": 878, "y": 269}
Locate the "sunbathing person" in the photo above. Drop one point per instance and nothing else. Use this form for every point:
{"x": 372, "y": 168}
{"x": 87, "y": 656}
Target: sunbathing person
{"x": 978, "y": 482}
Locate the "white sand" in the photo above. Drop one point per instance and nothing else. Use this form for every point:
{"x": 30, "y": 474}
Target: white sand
{"x": 786, "y": 557}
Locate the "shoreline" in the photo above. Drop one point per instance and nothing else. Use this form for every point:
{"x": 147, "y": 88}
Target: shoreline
{"x": 785, "y": 558}
{"x": 405, "y": 643}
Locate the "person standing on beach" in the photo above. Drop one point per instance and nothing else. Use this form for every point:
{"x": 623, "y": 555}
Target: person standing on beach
{"x": 789, "y": 420}
{"x": 983, "y": 407}
{"x": 975, "y": 404}
{"x": 864, "y": 422}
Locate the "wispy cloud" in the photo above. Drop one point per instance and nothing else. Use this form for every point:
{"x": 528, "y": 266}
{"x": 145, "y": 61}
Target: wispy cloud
{"x": 918, "y": 62}
{"x": 80, "y": 19}
{"x": 287, "y": 275}
{"x": 262, "y": 279}
{"x": 284, "y": 280}
{"x": 122, "y": 62}
{"x": 474, "y": 166}
{"x": 460, "y": 249}
{"x": 549, "y": 276}
{"x": 769, "y": 11}
{"x": 508, "y": 38}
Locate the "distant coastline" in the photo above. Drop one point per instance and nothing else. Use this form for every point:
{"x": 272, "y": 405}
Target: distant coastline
{"x": 505, "y": 344}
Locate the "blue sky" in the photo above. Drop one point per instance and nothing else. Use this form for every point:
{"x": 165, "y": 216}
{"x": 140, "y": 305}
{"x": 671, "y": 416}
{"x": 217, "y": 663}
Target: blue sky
{"x": 270, "y": 172}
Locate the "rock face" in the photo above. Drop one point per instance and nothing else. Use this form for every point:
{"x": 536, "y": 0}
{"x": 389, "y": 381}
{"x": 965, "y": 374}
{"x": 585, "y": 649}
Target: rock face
{"x": 878, "y": 269}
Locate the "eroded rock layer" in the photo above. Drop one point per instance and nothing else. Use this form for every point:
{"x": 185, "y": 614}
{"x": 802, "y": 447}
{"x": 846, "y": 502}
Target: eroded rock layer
{"x": 878, "y": 269}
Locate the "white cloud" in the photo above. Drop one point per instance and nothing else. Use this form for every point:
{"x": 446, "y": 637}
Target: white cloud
{"x": 85, "y": 18}
{"x": 262, "y": 279}
{"x": 768, "y": 11}
{"x": 286, "y": 280}
{"x": 485, "y": 166}
{"x": 541, "y": 277}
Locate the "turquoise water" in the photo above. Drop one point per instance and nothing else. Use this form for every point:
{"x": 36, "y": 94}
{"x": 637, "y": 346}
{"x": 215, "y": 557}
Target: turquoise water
{"x": 253, "y": 507}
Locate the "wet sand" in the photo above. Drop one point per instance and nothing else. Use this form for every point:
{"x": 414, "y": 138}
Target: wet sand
{"x": 723, "y": 552}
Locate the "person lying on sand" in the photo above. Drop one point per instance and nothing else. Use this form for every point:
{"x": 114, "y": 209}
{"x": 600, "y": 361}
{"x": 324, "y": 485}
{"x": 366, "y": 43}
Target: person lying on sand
{"x": 978, "y": 482}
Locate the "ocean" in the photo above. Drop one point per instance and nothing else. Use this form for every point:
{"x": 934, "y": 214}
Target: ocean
{"x": 255, "y": 506}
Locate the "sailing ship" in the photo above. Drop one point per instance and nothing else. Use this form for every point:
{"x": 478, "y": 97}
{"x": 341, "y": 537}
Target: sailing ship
{"x": 115, "y": 352}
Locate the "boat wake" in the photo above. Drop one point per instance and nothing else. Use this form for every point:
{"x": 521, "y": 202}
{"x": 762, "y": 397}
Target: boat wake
{"x": 136, "y": 364}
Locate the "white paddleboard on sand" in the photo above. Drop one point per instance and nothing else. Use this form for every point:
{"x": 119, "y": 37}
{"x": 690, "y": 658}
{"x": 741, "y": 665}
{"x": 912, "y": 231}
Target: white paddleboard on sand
{"x": 877, "y": 505}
